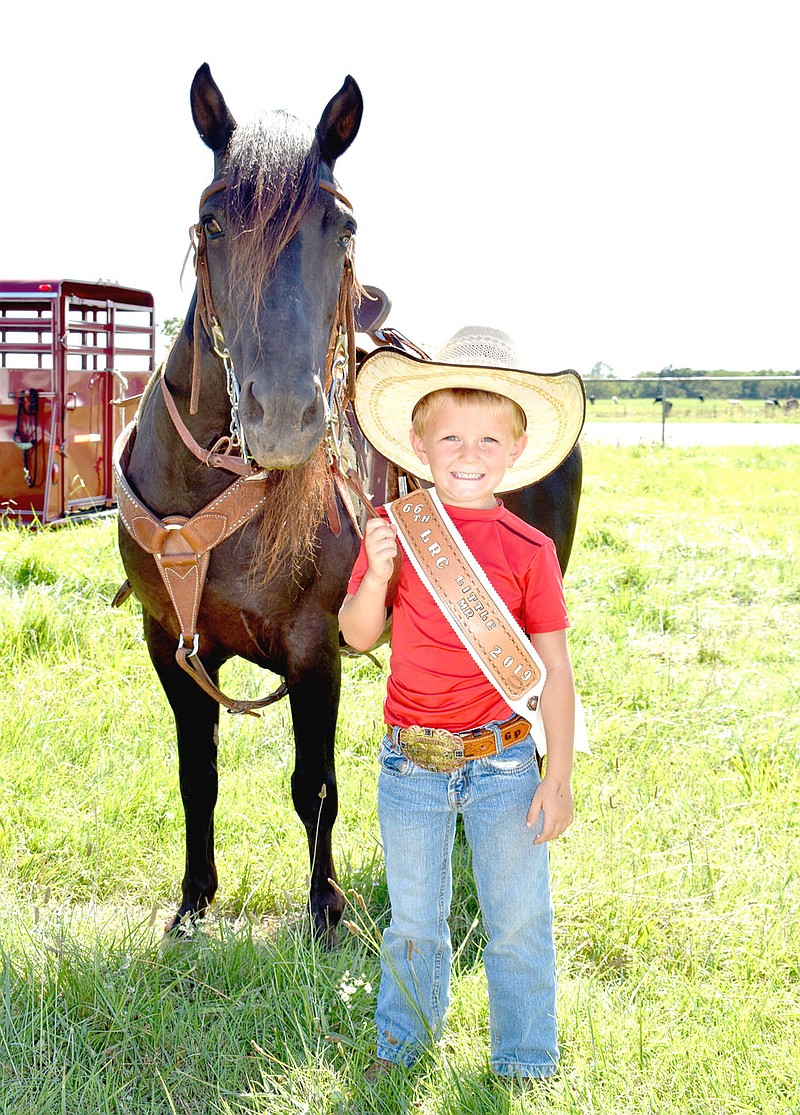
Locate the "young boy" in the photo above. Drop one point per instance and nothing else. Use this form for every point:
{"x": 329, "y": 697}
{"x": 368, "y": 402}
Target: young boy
{"x": 478, "y": 425}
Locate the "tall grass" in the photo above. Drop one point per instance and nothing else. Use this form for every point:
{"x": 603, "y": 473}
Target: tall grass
{"x": 676, "y": 890}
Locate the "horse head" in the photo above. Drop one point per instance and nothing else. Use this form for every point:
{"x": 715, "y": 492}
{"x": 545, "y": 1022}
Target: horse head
{"x": 274, "y": 242}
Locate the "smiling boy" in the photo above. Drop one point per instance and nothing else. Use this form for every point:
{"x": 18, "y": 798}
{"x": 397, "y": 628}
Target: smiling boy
{"x": 478, "y": 425}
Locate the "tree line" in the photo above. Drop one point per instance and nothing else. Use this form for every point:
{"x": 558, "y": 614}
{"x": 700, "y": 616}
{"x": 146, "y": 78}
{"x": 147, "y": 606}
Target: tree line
{"x": 687, "y": 383}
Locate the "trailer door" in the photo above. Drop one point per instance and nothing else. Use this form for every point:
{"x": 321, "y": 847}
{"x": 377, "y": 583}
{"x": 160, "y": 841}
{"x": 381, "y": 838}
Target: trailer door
{"x": 88, "y": 360}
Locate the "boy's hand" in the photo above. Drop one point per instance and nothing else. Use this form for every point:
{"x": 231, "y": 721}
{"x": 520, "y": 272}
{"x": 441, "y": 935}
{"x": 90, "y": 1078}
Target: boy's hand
{"x": 362, "y": 616}
{"x": 380, "y": 543}
{"x": 554, "y": 799}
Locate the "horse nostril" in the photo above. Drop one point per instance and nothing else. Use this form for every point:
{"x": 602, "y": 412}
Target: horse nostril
{"x": 249, "y": 406}
{"x": 310, "y": 415}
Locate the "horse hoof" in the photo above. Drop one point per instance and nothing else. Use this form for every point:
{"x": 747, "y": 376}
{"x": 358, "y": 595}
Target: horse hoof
{"x": 183, "y": 926}
{"x": 329, "y": 937}
{"x": 324, "y": 926}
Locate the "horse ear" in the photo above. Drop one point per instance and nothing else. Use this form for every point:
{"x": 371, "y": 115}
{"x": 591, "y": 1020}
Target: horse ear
{"x": 211, "y": 115}
{"x": 339, "y": 123}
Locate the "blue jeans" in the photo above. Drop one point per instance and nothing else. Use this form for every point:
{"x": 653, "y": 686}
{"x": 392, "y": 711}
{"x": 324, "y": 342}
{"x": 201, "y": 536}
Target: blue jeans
{"x": 417, "y": 811}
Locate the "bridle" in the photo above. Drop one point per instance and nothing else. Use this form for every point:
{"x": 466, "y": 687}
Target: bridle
{"x": 230, "y": 451}
{"x": 181, "y": 546}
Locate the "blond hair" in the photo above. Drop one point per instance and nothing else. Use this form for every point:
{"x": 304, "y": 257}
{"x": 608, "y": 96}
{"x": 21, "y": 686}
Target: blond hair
{"x": 469, "y": 396}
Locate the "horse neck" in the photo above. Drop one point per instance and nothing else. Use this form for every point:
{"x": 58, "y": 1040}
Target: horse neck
{"x": 212, "y": 419}
{"x": 167, "y": 475}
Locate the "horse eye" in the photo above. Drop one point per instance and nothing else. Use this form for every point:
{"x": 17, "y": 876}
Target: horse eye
{"x": 345, "y": 238}
{"x": 212, "y": 227}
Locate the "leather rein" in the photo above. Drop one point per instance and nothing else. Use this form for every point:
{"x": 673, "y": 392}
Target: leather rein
{"x": 181, "y": 545}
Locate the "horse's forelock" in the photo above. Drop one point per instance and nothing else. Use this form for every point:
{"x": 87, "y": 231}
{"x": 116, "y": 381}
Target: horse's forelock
{"x": 272, "y": 176}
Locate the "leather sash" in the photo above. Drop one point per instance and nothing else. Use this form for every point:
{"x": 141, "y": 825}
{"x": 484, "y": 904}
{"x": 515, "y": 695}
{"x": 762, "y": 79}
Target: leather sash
{"x": 474, "y": 609}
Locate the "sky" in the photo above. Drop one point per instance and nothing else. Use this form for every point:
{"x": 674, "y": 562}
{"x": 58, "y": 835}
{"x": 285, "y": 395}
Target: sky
{"x": 606, "y": 181}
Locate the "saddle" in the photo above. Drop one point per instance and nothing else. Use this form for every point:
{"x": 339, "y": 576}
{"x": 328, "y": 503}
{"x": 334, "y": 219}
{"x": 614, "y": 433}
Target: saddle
{"x": 380, "y": 476}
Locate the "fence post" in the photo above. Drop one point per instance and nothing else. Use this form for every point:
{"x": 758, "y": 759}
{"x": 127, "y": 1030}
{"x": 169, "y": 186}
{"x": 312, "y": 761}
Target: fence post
{"x": 664, "y": 372}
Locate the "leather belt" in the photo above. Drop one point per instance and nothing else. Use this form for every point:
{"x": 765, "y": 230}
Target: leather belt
{"x": 439, "y": 750}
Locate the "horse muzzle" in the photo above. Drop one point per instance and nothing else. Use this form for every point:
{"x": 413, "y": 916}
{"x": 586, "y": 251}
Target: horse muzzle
{"x": 281, "y": 430}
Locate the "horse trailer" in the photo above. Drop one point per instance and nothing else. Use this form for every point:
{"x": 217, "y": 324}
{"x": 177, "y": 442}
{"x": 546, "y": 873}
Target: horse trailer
{"x": 74, "y": 357}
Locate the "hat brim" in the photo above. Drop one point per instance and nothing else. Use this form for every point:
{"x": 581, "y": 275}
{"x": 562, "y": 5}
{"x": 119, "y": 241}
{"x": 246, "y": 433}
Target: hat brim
{"x": 390, "y": 384}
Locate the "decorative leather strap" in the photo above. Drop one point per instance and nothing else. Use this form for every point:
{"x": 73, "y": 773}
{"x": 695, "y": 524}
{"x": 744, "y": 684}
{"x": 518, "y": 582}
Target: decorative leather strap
{"x": 180, "y": 545}
{"x": 229, "y": 461}
{"x": 181, "y": 548}
{"x": 190, "y": 662}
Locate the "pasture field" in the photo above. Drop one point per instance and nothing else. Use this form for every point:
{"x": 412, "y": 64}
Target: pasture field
{"x": 676, "y": 889}
{"x": 686, "y": 409}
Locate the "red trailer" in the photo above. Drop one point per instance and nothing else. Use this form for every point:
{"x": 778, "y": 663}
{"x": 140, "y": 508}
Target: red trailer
{"x": 72, "y": 355}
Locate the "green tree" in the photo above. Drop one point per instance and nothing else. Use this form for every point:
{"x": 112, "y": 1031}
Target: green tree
{"x": 171, "y": 326}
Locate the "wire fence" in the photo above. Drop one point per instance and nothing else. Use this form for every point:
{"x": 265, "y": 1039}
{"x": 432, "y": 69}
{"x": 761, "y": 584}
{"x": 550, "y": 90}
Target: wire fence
{"x": 743, "y": 396}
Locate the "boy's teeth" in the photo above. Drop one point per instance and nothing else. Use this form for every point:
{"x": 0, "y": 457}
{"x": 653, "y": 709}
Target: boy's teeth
{"x": 467, "y": 475}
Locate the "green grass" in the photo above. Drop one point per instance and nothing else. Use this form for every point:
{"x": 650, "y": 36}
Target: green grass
{"x": 676, "y": 890}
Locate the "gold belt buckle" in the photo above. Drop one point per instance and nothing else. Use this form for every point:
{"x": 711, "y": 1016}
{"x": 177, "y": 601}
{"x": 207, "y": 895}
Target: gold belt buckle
{"x": 432, "y": 748}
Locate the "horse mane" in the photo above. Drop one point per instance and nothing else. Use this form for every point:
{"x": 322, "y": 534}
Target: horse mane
{"x": 272, "y": 177}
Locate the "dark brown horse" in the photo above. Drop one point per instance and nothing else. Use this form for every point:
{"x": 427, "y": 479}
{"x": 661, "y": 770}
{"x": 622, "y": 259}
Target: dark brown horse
{"x": 273, "y": 244}
{"x": 248, "y": 402}
{"x": 552, "y": 504}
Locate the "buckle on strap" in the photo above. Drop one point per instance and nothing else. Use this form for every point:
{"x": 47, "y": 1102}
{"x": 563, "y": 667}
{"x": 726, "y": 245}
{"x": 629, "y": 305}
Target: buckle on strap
{"x": 195, "y": 645}
{"x": 433, "y": 749}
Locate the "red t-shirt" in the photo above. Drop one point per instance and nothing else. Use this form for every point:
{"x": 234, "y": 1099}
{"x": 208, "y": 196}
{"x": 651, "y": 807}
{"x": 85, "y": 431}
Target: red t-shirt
{"x": 433, "y": 680}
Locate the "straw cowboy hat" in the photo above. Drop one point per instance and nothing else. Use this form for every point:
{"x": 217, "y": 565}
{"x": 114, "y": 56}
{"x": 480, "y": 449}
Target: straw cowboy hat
{"x": 390, "y": 384}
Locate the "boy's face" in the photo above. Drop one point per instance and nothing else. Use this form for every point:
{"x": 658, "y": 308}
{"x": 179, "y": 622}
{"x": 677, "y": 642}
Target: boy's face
{"x": 468, "y": 447}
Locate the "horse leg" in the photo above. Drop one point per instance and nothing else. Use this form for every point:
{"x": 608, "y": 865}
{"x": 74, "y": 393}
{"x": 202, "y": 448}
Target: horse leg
{"x": 314, "y": 699}
{"x": 197, "y": 726}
